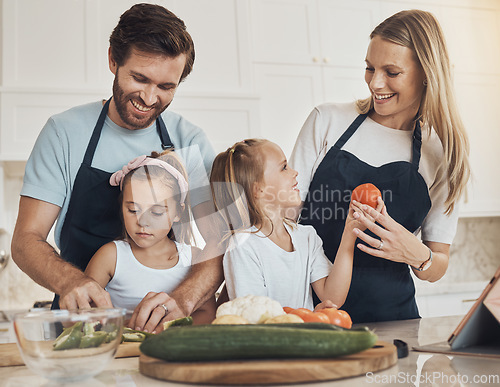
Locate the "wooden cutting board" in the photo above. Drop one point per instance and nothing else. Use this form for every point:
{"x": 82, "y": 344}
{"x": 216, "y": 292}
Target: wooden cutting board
{"x": 383, "y": 355}
{"x": 10, "y": 355}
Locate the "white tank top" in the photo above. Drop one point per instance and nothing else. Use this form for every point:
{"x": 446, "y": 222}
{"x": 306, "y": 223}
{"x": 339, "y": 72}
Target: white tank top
{"x": 132, "y": 280}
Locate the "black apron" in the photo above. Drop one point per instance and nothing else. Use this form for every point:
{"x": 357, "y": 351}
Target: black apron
{"x": 380, "y": 289}
{"x": 93, "y": 217}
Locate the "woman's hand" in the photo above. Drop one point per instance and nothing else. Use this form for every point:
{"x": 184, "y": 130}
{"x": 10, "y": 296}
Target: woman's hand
{"x": 396, "y": 242}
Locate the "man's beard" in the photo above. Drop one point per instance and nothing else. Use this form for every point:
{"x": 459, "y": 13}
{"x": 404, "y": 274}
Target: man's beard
{"x": 128, "y": 118}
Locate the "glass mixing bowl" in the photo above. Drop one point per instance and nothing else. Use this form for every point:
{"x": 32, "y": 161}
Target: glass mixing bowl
{"x": 66, "y": 345}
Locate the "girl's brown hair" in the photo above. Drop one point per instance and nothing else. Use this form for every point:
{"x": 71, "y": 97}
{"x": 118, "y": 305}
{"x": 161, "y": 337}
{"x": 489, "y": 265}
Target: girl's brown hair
{"x": 233, "y": 177}
{"x": 420, "y": 31}
{"x": 181, "y": 231}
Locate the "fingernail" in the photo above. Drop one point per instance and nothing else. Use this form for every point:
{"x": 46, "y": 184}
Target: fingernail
{"x": 355, "y": 215}
{"x": 137, "y": 328}
{"x": 356, "y": 231}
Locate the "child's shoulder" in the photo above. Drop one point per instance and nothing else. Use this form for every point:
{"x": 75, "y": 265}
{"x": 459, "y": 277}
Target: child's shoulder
{"x": 109, "y": 248}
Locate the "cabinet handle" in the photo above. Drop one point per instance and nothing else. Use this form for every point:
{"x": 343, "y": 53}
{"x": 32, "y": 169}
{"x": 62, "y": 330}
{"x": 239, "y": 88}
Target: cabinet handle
{"x": 315, "y": 59}
{"x": 326, "y": 59}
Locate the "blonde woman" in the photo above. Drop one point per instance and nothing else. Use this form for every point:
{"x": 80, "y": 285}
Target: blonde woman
{"x": 408, "y": 140}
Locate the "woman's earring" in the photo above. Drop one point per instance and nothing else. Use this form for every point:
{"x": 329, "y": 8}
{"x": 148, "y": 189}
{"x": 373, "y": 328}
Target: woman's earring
{"x": 425, "y": 82}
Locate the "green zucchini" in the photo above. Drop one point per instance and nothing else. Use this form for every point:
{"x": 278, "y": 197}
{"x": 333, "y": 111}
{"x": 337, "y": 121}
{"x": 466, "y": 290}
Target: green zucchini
{"x": 232, "y": 342}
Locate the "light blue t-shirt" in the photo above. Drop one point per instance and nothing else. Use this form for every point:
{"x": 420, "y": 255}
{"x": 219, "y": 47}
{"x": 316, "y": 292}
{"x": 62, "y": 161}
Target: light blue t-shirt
{"x": 59, "y": 150}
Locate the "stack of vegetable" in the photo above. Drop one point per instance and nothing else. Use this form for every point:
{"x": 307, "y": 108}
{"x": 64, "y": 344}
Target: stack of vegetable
{"x": 256, "y": 327}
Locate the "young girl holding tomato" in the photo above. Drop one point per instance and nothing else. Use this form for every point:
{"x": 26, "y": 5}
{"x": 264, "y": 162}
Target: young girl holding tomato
{"x": 154, "y": 254}
{"x": 269, "y": 254}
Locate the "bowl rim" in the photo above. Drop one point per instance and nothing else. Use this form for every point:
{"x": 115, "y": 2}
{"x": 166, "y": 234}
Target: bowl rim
{"x": 56, "y": 315}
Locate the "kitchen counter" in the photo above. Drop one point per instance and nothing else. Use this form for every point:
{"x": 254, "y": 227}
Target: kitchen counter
{"x": 419, "y": 369}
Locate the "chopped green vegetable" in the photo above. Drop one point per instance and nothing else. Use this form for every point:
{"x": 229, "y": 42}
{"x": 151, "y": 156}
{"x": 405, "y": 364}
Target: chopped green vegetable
{"x": 134, "y": 337}
{"x": 93, "y": 340}
{"x": 68, "y": 341}
{"x": 178, "y": 322}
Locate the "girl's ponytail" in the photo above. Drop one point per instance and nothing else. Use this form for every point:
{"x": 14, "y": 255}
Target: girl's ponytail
{"x": 233, "y": 177}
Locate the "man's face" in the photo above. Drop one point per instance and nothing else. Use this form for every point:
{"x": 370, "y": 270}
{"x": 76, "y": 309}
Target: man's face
{"x": 143, "y": 88}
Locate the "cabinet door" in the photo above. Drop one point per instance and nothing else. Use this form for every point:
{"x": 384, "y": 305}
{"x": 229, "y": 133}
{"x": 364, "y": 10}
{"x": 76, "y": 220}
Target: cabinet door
{"x": 285, "y": 31}
{"x": 220, "y": 33}
{"x": 345, "y": 28}
{"x": 342, "y": 84}
{"x": 475, "y": 54}
{"x": 477, "y": 96}
{"x": 288, "y": 94}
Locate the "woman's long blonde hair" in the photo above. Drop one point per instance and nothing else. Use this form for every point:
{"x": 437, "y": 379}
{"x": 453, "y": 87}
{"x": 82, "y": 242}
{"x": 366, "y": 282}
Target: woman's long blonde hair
{"x": 420, "y": 31}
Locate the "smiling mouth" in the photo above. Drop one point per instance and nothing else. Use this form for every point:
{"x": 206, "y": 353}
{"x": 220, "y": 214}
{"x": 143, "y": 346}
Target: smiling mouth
{"x": 140, "y": 107}
{"x": 381, "y": 97}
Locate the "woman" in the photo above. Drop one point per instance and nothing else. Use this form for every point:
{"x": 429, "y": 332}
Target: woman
{"x": 408, "y": 140}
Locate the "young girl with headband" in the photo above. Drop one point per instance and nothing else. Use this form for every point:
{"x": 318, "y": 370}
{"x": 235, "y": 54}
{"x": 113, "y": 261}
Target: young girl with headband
{"x": 155, "y": 253}
{"x": 267, "y": 253}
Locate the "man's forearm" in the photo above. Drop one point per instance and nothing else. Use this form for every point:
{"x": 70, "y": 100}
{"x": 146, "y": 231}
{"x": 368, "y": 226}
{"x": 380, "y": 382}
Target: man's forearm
{"x": 201, "y": 283}
{"x": 39, "y": 260}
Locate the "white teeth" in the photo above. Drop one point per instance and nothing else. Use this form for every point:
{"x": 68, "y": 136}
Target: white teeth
{"x": 140, "y": 107}
{"x": 384, "y": 96}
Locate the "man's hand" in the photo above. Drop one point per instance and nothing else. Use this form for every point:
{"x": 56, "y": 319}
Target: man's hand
{"x": 150, "y": 314}
{"x": 86, "y": 294}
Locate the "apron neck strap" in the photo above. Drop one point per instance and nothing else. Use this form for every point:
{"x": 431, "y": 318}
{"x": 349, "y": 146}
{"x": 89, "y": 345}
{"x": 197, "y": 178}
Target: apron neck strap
{"x": 166, "y": 143}
{"x": 417, "y": 145}
{"x": 96, "y": 134}
{"x": 350, "y": 131}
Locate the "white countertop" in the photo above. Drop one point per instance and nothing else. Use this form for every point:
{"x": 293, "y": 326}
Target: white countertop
{"x": 416, "y": 369}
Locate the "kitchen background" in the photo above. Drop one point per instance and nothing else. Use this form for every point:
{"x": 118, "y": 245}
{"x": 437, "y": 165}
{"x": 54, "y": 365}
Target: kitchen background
{"x": 261, "y": 66}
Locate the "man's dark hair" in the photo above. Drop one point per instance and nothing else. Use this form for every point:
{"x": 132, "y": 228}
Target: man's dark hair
{"x": 152, "y": 29}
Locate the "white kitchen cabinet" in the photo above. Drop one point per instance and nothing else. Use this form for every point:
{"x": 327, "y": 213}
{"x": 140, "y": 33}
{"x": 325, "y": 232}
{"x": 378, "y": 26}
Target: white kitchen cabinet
{"x": 331, "y": 32}
{"x": 315, "y": 54}
{"x": 227, "y": 119}
{"x": 451, "y": 304}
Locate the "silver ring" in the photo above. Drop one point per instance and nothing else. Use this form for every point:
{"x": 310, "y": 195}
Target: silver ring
{"x": 381, "y": 245}
{"x": 164, "y": 307}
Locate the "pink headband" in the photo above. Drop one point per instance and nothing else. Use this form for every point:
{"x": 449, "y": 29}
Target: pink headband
{"x": 117, "y": 177}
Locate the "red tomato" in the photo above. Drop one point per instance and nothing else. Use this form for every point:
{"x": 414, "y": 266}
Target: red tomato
{"x": 367, "y": 194}
{"x": 337, "y": 317}
{"x": 310, "y": 316}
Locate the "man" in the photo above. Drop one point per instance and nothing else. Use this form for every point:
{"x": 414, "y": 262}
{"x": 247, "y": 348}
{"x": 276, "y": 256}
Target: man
{"x": 67, "y": 174}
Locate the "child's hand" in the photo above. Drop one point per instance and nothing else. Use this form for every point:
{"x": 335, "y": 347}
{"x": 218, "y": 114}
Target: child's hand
{"x": 356, "y": 211}
{"x": 325, "y": 304}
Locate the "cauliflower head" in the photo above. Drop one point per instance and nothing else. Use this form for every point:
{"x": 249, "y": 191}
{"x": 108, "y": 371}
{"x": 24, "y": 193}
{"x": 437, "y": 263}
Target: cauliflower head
{"x": 255, "y": 309}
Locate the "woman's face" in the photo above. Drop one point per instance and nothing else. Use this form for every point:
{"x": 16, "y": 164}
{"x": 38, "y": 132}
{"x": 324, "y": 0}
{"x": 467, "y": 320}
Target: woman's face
{"x": 395, "y": 79}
